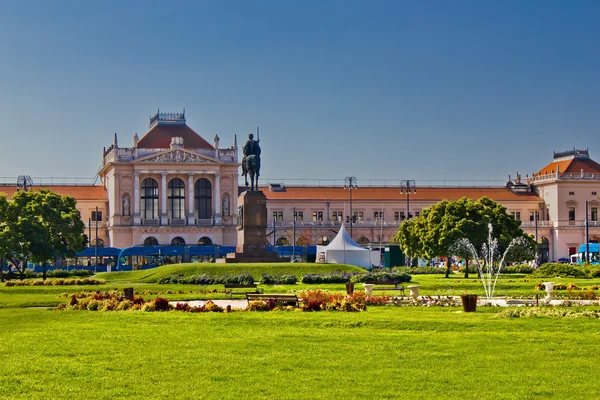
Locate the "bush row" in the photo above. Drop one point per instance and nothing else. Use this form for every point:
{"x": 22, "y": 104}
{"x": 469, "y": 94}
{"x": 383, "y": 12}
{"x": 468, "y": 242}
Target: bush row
{"x": 56, "y": 282}
{"x": 313, "y": 300}
{"x": 240, "y": 279}
{"x": 56, "y": 273}
{"x": 267, "y": 279}
{"x": 550, "y": 270}
{"x": 331, "y": 277}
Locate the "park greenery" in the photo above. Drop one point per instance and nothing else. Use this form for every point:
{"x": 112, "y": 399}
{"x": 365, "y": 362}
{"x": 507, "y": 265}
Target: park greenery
{"x": 39, "y": 226}
{"x": 206, "y": 352}
{"x": 440, "y": 226}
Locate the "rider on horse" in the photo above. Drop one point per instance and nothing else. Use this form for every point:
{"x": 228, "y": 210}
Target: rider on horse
{"x": 251, "y": 147}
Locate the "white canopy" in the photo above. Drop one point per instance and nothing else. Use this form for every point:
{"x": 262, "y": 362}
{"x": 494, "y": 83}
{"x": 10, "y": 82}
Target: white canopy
{"x": 344, "y": 250}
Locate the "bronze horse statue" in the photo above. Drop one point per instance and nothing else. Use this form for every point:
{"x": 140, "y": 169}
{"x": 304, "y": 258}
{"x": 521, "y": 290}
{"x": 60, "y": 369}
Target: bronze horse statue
{"x": 251, "y": 165}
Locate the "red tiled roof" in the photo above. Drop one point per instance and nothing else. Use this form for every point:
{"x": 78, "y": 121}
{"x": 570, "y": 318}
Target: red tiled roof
{"x": 159, "y": 137}
{"x": 574, "y": 165}
{"x": 393, "y": 194}
{"x": 78, "y": 192}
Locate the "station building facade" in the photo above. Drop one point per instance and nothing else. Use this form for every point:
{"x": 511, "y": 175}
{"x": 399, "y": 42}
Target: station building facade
{"x": 173, "y": 187}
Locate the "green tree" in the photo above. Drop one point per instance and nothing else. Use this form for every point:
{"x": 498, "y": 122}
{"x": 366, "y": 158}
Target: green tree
{"x": 39, "y": 226}
{"x": 442, "y": 224}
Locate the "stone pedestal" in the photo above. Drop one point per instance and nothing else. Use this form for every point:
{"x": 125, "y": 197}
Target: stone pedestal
{"x": 252, "y": 245}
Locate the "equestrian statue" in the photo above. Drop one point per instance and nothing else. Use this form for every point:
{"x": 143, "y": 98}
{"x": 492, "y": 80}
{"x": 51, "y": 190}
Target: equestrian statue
{"x": 251, "y": 162}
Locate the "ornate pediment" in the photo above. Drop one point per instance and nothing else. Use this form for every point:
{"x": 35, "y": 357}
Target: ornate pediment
{"x": 178, "y": 156}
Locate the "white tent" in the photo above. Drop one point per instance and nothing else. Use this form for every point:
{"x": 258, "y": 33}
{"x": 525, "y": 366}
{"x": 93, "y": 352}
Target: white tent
{"x": 344, "y": 250}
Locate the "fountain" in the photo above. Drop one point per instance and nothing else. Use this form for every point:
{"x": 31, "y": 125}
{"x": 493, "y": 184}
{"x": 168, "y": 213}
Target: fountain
{"x": 485, "y": 262}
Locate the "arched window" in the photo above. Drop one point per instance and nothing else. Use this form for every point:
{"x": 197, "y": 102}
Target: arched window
{"x": 203, "y": 198}
{"x": 205, "y": 241}
{"x": 178, "y": 241}
{"x": 282, "y": 242}
{"x": 176, "y": 199}
{"x": 302, "y": 241}
{"x": 363, "y": 240}
{"x": 149, "y": 199}
{"x": 150, "y": 241}
{"x": 323, "y": 241}
{"x": 99, "y": 241}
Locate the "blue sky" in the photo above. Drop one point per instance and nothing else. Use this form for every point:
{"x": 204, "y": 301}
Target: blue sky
{"x": 424, "y": 90}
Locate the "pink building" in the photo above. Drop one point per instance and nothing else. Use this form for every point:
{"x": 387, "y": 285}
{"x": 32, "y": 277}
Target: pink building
{"x": 171, "y": 186}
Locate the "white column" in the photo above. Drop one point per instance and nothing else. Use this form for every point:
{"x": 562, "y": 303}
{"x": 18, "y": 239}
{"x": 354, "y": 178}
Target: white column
{"x": 190, "y": 194}
{"x": 136, "y": 198}
{"x": 217, "y": 207}
{"x": 163, "y": 199}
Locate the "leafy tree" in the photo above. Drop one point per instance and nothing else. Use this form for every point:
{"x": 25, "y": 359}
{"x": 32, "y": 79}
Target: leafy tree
{"x": 442, "y": 224}
{"x": 39, "y": 226}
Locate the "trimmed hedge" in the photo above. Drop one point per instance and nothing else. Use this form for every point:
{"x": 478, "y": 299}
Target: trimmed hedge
{"x": 241, "y": 279}
{"x": 566, "y": 270}
{"x": 268, "y": 279}
{"x": 332, "y": 277}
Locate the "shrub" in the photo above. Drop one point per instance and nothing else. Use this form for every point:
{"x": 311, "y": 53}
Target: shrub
{"x": 212, "y": 307}
{"x": 563, "y": 270}
{"x": 244, "y": 278}
{"x": 161, "y": 304}
{"x": 332, "y": 277}
{"x": 268, "y": 279}
{"x": 259, "y": 305}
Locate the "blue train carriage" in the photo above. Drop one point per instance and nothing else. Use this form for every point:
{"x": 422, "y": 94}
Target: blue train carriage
{"x": 593, "y": 254}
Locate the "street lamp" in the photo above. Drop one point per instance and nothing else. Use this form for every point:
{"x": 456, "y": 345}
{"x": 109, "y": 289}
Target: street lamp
{"x": 408, "y": 185}
{"x": 350, "y": 183}
{"x": 24, "y": 182}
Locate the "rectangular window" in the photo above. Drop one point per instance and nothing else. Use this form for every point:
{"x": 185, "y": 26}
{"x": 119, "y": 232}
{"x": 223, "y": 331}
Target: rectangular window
{"x": 338, "y": 216}
{"x": 417, "y": 213}
{"x": 571, "y": 213}
{"x": 358, "y": 216}
{"x": 402, "y": 215}
{"x": 396, "y": 216}
{"x": 97, "y": 216}
{"x": 378, "y": 216}
{"x": 516, "y": 215}
{"x": 571, "y": 193}
{"x": 533, "y": 215}
{"x": 317, "y": 216}
{"x": 593, "y": 193}
{"x": 594, "y": 214}
{"x": 299, "y": 215}
{"x": 278, "y": 215}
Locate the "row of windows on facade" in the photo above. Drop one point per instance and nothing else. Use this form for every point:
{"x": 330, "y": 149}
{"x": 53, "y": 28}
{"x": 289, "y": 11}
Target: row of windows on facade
{"x": 573, "y": 193}
{"x": 532, "y": 215}
{"x": 176, "y": 200}
{"x": 302, "y": 241}
{"x": 359, "y": 216}
{"x": 152, "y": 241}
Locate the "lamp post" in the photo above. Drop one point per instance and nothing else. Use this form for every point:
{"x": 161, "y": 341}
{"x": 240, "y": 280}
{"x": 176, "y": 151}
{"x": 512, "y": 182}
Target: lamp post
{"x": 408, "y": 185}
{"x": 350, "y": 183}
{"x": 24, "y": 182}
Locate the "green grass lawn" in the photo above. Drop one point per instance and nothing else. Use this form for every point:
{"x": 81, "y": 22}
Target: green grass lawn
{"x": 255, "y": 269}
{"x": 385, "y": 352}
